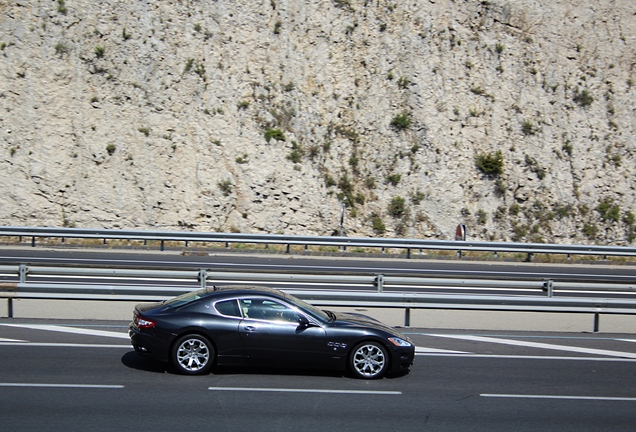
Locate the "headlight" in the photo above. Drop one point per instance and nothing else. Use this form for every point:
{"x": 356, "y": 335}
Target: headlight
{"x": 399, "y": 342}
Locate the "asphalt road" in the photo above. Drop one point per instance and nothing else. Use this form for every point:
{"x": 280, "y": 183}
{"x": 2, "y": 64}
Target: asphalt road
{"x": 83, "y": 375}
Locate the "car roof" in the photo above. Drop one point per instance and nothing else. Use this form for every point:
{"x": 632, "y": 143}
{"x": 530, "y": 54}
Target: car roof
{"x": 247, "y": 290}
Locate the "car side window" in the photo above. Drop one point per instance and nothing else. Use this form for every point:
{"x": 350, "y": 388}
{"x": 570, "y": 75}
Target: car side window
{"x": 268, "y": 310}
{"x": 228, "y": 308}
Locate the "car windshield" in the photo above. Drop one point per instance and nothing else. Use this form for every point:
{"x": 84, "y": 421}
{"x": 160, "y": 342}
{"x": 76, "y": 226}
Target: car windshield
{"x": 318, "y": 313}
{"x": 186, "y": 298}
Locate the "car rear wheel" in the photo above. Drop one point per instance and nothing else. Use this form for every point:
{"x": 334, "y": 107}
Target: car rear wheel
{"x": 369, "y": 360}
{"x": 193, "y": 354}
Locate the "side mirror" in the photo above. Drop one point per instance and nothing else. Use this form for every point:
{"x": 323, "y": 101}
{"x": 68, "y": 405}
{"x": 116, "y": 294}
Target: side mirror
{"x": 303, "y": 321}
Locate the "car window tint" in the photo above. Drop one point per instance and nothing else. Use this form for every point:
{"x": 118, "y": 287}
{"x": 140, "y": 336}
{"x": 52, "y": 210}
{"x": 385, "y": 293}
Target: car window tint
{"x": 186, "y": 298}
{"x": 228, "y": 308}
{"x": 268, "y": 310}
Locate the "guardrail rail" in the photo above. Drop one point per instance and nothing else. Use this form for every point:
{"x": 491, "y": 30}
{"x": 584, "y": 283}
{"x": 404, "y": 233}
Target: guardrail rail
{"x": 407, "y": 245}
{"x": 374, "y": 290}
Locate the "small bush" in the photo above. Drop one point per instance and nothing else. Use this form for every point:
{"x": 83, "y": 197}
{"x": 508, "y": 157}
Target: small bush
{"x": 344, "y": 4}
{"x": 61, "y": 48}
{"x": 297, "y": 153}
{"x": 99, "y": 51}
{"x": 397, "y": 207}
{"x": 583, "y": 98}
{"x": 482, "y": 217}
{"x": 188, "y": 65}
{"x": 404, "y": 83}
{"x": 417, "y": 197}
{"x": 401, "y": 121}
{"x": 535, "y": 168}
{"x": 226, "y": 187}
{"x": 144, "y": 130}
{"x": 515, "y": 209}
{"x": 394, "y": 179}
{"x": 528, "y": 128}
{"x": 562, "y": 211}
{"x": 110, "y": 148}
{"x": 276, "y": 134}
{"x": 609, "y": 211}
{"x": 590, "y": 231}
{"x": 500, "y": 213}
{"x": 378, "y": 225}
{"x": 61, "y": 7}
{"x": 490, "y": 164}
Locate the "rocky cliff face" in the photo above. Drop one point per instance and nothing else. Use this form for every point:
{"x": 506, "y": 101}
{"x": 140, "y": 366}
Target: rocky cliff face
{"x": 516, "y": 118}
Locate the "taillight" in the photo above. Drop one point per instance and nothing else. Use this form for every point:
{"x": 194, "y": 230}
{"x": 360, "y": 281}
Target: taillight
{"x": 144, "y": 322}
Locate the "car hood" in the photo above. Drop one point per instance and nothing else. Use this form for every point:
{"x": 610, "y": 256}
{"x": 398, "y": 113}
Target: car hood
{"x": 359, "y": 320}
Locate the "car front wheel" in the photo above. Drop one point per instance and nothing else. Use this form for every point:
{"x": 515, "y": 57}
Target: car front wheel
{"x": 369, "y": 360}
{"x": 192, "y": 354}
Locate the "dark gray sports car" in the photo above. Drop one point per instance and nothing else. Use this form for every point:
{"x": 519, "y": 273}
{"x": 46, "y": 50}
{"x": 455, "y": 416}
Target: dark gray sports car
{"x": 264, "y": 327}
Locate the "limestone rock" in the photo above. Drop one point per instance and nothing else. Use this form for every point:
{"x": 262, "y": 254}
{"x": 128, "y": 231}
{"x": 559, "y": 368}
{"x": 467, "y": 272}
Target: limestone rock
{"x": 265, "y": 116}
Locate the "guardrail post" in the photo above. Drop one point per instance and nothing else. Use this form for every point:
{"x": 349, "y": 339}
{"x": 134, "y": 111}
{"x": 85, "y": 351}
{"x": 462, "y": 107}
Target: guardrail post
{"x": 10, "y": 308}
{"x": 407, "y": 317}
{"x": 548, "y": 287}
{"x": 22, "y": 271}
{"x": 379, "y": 282}
{"x": 596, "y": 322}
{"x": 33, "y": 241}
{"x": 203, "y": 278}
{"x": 408, "y": 253}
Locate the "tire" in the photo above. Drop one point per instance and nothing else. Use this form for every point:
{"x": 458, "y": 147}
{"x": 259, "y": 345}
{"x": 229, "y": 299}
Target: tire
{"x": 369, "y": 360}
{"x": 192, "y": 354}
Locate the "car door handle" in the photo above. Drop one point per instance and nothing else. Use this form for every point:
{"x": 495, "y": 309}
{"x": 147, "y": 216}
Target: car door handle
{"x": 250, "y": 328}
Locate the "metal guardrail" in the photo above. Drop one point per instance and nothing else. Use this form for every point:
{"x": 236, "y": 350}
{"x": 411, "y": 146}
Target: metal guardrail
{"x": 335, "y": 241}
{"x": 383, "y": 291}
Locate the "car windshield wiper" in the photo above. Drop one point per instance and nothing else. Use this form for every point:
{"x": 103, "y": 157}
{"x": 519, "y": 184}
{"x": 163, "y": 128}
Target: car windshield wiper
{"x": 332, "y": 316}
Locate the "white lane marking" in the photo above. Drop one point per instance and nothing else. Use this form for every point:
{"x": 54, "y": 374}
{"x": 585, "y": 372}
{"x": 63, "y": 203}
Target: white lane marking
{"x": 423, "y": 350}
{"x": 595, "y": 398}
{"x": 527, "y": 357}
{"x": 291, "y": 390}
{"x": 81, "y": 386}
{"x": 11, "y": 340}
{"x": 626, "y": 340}
{"x": 539, "y": 345}
{"x": 74, "y": 330}
{"x": 69, "y": 345}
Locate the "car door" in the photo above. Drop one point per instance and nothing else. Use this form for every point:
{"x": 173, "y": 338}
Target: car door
{"x": 273, "y": 336}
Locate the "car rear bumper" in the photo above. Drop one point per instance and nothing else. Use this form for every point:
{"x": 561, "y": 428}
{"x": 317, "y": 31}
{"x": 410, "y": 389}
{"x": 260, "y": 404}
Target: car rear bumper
{"x": 148, "y": 344}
